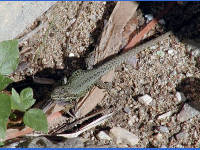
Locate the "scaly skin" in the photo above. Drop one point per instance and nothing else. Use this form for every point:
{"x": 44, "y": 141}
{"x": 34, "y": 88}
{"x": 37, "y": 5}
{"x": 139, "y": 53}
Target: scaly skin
{"x": 82, "y": 81}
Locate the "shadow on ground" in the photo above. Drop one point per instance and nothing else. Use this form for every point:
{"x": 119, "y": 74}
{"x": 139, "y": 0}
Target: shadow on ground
{"x": 190, "y": 87}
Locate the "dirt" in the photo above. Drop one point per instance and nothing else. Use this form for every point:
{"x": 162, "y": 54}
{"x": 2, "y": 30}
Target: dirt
{"x": 161, "y": 71}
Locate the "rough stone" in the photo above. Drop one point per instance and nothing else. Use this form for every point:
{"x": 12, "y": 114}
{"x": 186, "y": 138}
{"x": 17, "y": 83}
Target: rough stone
{"x": 16, "y": 16}
{"x": 158, "y": 137}
{"x": 160, "y": 53}
{"x": 146, "y": 99}
{"x": 162, "y": 21}
{"x": 132, "y": 120}
{"x": 103, "y": 136}
{"x": 165, "y": 115}
{"x": 162, "y": 129}
{"x": 127, "y": 110}
{"x": 187, "y": 112}
{"x": 149, "y": 17}
{"x": 182, "y": 136}
{"x": 180, "y": 96}
{"x": 71, "y": 55}
{"x": 123, "y": 136}
{"x": 171, "y": 52}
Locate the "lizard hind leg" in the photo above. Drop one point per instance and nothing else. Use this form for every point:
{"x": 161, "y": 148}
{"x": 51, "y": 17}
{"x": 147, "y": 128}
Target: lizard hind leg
{"x": 104, "y": 85}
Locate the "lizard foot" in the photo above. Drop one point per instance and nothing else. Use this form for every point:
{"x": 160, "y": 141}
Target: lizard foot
{"x": 104, "y": 85}
{"x": 69, "y": 109}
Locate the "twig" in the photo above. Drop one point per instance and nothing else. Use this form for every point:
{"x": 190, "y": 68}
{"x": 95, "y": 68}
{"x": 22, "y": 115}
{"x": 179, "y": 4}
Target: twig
{"x": 87, "y": 127}
{"x": 136, "y": 39}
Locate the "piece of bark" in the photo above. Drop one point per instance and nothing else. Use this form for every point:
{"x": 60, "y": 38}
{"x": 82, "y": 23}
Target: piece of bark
{"x": 115, "y": 36}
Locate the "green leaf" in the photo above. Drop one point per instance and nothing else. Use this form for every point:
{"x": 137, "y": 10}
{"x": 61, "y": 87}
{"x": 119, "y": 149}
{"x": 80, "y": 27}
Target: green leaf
{"x": 1, "y": 143}
{"x": 27, "y": 99}
{"x": 24, "y": 101}
{"x": 5, "y": 106}
{"x": 36, "y": 119}
{"x": 4, "y": 82}
{"x": 3, "y": 123}
{"x": 5, "y": 110}
{"x": 16, "y": 103}
{"x": 9, "y": 56}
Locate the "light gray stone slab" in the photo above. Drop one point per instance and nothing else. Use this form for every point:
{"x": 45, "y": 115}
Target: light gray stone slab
{"x": 16, "y": 16}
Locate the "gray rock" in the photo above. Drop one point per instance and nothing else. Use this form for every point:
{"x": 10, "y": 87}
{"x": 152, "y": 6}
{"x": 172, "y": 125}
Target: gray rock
{"x": 132, "y": 61}
{"x": 165, "y": 115}
{"x": 171, "y": 51}
{"x": 162, "y": 21}
{"x": 127, "y": 110}
{"x": 158, "y": 137}
{"x": 132, "y": 120}
{"x": 145, "y": 99}
{"x": 103, "y": 136}
{"x": 16, "y": 16}
{"x": 182, "y": 136}
{"x": 187, "y": 112}
{"x": 149, "y": 17}
{"x": 160, "y": 53}
{"x": 123, "y": 136}
{"x": 180, "y": 96}
{"x": 163, "y": 129}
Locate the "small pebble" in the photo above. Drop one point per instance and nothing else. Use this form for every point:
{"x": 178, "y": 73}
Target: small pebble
{"x": 132, "y": 120}
{"x": 67, "y": 34}
{"x": 160, "y": 53}
{"x": 195, "y": 53}
{"x": 105, "y": 22}
{"x": 158, "y": 137}
{"x": 182, "y": 136}
{"x": 187, "y": 112}
{"x": 153, "y": 47}
{"x": 81, "y": 48}
{"x": 71, "y": 55}
{"x": 132, "y": 61}
{"x": 163, "y": 129}
{"x": 72, "y": 20}
{"x": 127, "y": 110}
{"x": 163, "y": 146}
{"x": 165, "y": 115}
{"x": 189, "y": 74}
{"x": 171, "y": 52}
{"x": 123, "y": 136}
{"x": 161, "y": 21}
{"x": 180, "y": 96}
{"x": 174, "y": 73}
{"x": 195, "y": 134}
{"x": 146, "y": 99}
{"x": 103, "y": 136}
{"x": 149, "y": 17}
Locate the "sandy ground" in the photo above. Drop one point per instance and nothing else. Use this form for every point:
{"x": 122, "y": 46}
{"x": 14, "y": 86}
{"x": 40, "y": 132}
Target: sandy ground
{"x": 162, "y": 70}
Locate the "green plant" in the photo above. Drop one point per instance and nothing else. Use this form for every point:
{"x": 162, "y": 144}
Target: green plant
{"x": 34, "y": 118}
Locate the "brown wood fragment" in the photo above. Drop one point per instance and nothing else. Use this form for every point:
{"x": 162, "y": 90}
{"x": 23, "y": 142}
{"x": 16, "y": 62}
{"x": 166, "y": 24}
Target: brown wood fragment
{"x": 114, "y": 37}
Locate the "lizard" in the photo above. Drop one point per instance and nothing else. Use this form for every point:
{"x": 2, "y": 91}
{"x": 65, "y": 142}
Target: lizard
{"x": 81, "y": 81}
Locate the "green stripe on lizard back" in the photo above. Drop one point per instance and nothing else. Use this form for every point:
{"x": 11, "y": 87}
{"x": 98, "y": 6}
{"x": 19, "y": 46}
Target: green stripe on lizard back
{"x": 82, "y": 80}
